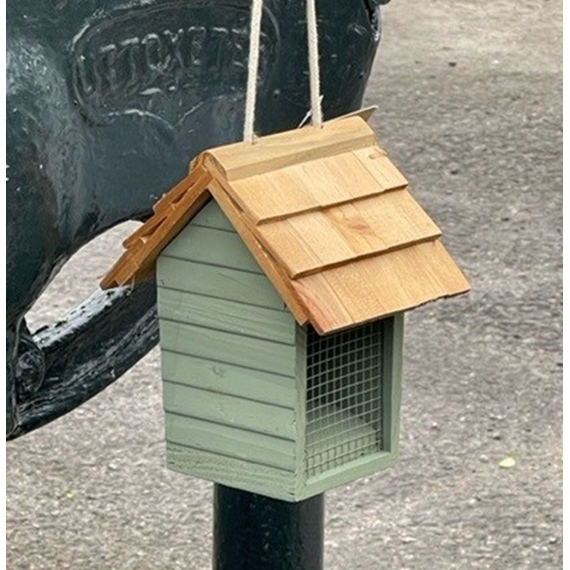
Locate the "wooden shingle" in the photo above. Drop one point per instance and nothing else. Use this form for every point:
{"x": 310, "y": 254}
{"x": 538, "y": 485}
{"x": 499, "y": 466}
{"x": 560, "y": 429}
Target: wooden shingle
{"x": 311, "y": 241}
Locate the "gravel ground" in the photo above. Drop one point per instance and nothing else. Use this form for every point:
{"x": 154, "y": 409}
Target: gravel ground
{"x": 470, "y": 97}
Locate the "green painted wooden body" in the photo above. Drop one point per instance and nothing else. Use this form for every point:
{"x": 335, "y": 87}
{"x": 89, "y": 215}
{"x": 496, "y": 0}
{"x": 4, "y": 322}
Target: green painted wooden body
{"x": 234, "y": 367}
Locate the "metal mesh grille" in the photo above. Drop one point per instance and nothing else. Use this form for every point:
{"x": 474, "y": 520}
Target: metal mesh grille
{"x": 344, "y": 396}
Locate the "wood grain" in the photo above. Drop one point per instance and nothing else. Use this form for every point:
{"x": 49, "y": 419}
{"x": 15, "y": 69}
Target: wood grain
{"x": 218, "y": 282}
{"x": 214, "y": 247}
{"x": 379, "y": 286}
{"x": 376, "y": 162}
{"x": 229, "y": 410}
{"x": 239, "y": 349}
{"x": 310, "y": 242}
{"x": 234, "y": 472}
{"x": 273, "y": 152}
{"x": 304, "y": 187}
{"x": 225, "y": 314}
{"x": 231, "y": 441}
{"x": 214, "y": 375}
{"x": 275, "y": 274}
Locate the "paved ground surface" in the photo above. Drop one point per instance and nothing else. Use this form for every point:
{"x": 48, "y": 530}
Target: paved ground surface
{"x": 470, "y": 107}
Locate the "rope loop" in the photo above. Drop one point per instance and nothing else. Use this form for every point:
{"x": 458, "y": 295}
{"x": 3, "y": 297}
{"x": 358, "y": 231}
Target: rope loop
{"x": 253, "y": 67}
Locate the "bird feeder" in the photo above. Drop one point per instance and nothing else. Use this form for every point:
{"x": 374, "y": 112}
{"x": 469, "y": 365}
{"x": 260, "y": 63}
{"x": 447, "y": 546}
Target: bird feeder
{"x": 284, "y": 270}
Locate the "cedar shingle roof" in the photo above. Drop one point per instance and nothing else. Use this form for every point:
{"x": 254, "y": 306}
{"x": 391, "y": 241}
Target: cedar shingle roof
{"x": 327, "y": 216}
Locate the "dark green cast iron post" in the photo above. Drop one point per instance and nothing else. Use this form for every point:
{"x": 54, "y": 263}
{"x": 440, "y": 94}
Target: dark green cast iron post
{"x": 252, "y": 532}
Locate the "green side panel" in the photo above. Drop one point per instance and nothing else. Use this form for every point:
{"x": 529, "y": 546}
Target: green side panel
{"x": 232, "y": 348}
{"x": 231, "y": 393}
{"x": 229, "y": 379}
{"x": 260, "y": 449}
{"x": 211, "y": 216}
{"x": 345, "y": 474}
{"x": 229, "y": 410}
{"x": 211, "y": 246}
{"x": 220, "y": 282}
{"x": 392, "y": 372}
{"x": 230, "y": 316}
{"x": 232, "y": 472}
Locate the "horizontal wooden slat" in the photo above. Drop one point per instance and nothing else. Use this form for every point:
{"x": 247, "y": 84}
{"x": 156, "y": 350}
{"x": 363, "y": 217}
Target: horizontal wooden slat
{"x": 276, "y": 274}
{"x": 211, "y": 216}
{"x": 232, "y": 348}
{"x": 215, "y": 247}
{"x": 229, "y": 410}
{"x": 379, "y": 286}
{"x": 231, "y": 442}
{"x": 219, "y": 282}
{"x": 309, "y": 242}
{"x": 232, "y": 472}
{"x": 213, "y": 375}
{"x": 292, "y": 147}
{"x": 304, "y": 187}
{"x": 230, "y": 316}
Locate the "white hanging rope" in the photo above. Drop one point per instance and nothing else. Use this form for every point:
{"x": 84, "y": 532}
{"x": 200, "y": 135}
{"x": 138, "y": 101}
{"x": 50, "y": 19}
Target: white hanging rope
{"x": 315, "y": 83}
{"x": 253, "y": 66}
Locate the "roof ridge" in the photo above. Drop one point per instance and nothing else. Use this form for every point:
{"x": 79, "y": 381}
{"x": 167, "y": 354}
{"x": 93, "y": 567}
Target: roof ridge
{"x": 237, "y": 161}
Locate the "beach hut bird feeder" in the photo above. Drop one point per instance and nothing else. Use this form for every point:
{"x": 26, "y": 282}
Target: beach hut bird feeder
{"x": 283, "y": 271}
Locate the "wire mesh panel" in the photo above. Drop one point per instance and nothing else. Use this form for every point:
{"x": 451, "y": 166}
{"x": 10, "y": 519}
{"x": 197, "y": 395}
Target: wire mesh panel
{"x": 344, "y": 396}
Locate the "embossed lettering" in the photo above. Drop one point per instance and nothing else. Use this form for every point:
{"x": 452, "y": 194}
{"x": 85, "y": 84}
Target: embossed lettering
{"x": 174, "y": 41}
{"x": 115, "y": 74}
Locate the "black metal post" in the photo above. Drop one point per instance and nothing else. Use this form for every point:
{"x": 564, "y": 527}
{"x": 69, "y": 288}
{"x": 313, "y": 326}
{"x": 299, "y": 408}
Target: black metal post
{"x": 252, "y": 532}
